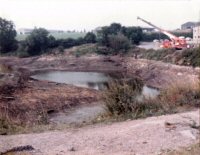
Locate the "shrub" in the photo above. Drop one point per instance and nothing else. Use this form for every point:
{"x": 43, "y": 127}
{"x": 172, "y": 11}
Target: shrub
{"x": 61, "y": 49}
{"x": 90, "y": 38}
{"x": 157, "y": 54}
{"x": 191, "y": 57}
{"x": 118, "y": 43}
{"x": 121, "y": 96}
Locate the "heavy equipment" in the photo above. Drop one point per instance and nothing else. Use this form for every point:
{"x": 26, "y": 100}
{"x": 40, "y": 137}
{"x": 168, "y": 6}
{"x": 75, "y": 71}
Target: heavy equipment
{"x": 174, "y": 42}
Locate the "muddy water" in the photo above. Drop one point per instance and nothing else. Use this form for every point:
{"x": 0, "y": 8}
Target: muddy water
{"x": 91, "y": 80}
{"x": 78, "y": 115}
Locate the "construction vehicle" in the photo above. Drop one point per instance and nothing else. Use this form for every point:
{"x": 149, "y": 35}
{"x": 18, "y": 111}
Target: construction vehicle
{"x": 174, "y": 42}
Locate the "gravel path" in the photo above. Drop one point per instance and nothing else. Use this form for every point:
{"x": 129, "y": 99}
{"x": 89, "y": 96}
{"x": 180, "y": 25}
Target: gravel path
{"x": 144, "y": 136}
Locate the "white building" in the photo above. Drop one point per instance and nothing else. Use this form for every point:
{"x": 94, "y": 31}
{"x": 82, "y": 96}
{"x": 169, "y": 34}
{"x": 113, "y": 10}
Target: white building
{"x": 196, "y": 35}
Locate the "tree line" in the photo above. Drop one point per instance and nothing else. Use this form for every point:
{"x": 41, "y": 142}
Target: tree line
{"x": 115, "y": 37}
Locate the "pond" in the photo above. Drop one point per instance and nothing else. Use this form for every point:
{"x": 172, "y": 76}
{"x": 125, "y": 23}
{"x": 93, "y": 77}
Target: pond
{"x": 93, "y": 80}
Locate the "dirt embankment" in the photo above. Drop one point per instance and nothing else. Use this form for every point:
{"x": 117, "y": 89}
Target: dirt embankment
{"x": 162, "y": 75}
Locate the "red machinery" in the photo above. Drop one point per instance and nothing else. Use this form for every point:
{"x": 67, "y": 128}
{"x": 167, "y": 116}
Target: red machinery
{"x": 176, "y": 42}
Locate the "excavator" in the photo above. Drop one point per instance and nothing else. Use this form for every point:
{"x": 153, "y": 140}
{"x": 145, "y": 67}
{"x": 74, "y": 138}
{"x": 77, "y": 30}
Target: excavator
{"x": 178, "y": 43}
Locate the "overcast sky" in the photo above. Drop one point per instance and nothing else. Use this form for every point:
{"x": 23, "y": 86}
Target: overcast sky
{"x": 89, "y": 14}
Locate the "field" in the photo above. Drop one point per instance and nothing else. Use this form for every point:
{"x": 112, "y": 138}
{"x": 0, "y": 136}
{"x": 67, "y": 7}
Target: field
{"x": 63, "y": 35}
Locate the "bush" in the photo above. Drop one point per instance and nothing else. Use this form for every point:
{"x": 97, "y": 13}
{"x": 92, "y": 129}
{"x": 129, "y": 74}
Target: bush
{"x": 90, "y": 38}
{"x": 121, "y": 96}
{"x": 191, "y": 57}
{"x": 118, "y": 43}
{"x": 61, "y": 49}
{"x": 157, "y": 54}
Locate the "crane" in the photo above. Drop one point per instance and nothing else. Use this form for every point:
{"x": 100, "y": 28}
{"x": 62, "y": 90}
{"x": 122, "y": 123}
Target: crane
{"x": 176, "y": 42}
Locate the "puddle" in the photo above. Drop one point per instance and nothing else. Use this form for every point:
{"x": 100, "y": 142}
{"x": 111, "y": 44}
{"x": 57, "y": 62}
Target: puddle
{"x": 78, "y": 115}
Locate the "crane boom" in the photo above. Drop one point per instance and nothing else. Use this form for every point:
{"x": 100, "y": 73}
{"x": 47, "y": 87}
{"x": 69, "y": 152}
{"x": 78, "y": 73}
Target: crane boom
{"x": 171, "y": 36}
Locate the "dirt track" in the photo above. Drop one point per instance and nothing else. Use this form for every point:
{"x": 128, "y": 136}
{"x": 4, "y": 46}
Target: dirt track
{"x": 145, "y": 136}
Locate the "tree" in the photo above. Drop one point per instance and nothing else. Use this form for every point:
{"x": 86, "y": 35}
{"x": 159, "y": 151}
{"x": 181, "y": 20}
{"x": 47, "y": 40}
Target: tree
{"x": 7, "y": 36}
{"x": 90, "y": 37}
{"x": 102, "y": 34}
{"x": 118, "y": 43}
{"x": 37, "y": 41}
{"x": 114, "y": 28}
{"x": 134, "y": 34}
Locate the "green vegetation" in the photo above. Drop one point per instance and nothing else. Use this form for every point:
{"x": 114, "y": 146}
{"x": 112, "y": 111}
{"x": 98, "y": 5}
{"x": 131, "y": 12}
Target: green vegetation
{"x": 37, "y": 41}
{"x": 121, "y": 97}
{"x": 191, "y": 57}
{"x": 117, "y": 38}
{"x": 90, "y": 38}
{"x": 7, "y": 36}
{"x": 187, "y": 57}
{"x": 118, "y": 43}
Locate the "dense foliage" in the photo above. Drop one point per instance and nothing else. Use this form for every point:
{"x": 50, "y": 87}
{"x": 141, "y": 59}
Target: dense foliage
{"x": 118, "y": 43}
{"x": 7, "y": 36}
{"x": 37, "y": 41}
{"x": 134, "y": 34}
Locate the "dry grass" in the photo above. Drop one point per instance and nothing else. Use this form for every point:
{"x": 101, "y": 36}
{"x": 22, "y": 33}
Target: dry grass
{"x": 121, "y": 100}
{"x": 179, "y": 94}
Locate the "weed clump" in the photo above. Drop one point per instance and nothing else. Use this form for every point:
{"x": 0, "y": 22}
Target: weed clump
{"x": 121, "y": 96}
